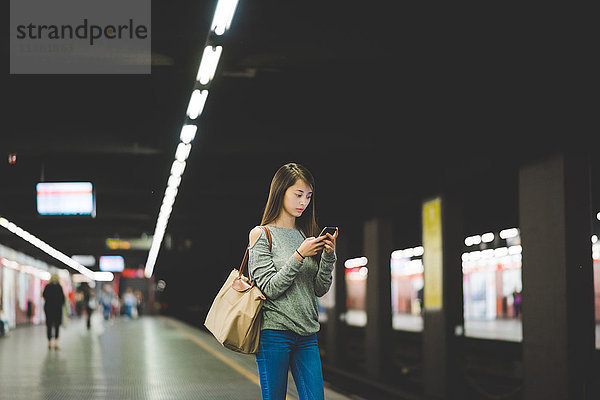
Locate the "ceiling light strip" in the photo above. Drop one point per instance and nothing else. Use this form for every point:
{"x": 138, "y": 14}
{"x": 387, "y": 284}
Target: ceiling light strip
{"x": 221, "y": 22}
{"x": 51, "y": 251}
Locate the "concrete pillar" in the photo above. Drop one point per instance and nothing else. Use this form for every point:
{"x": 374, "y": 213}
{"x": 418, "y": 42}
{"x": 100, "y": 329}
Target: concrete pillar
{"x": 558, "y": 305}
{"x": 443, "y": 296}
{"x": 378, "y": 334}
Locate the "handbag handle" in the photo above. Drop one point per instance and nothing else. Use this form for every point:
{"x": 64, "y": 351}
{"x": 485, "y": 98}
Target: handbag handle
{"x": 245, "y": 259}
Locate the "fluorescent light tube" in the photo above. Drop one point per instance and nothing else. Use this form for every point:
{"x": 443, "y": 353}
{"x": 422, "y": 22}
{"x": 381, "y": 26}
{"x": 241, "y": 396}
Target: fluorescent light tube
{"x": 487, "y": 237}
{"x": 183, "y": 151}
{"x": 223, "y": 16}
{"x": 177, "y": 168}
{"x": 196, "y": 105}
{"x": 188, "y": 133}
{"x": 174, "y": 181}
{"x": 208, "y": 64}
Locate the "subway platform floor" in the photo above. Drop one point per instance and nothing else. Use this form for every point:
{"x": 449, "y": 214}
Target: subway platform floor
{"x": 508, "y": 329}
{"x": 149, "y": 358}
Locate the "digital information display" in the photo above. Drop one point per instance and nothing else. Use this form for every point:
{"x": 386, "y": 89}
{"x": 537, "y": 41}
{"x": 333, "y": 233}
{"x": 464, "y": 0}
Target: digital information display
{"x": 112, "y": 263}
{"x": 66, "y": 198}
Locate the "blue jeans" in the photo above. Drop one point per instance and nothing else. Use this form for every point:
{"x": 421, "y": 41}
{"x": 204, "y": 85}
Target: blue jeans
{"x": 106, "y": 311}
{"x": 282, "y": 351}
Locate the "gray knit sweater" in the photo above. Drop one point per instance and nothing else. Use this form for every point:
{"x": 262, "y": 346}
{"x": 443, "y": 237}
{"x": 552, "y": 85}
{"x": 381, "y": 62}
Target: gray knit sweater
{"x": 291, "y": 286}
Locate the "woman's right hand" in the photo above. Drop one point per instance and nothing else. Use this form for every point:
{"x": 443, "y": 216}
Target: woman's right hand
{"x": 311, "y": 246}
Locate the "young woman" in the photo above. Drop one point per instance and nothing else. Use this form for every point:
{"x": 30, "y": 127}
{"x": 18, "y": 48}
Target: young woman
{"x": 292, "y": 275}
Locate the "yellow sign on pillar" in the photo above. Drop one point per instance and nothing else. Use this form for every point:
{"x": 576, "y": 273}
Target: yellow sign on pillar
{"x": 432, "y": 257}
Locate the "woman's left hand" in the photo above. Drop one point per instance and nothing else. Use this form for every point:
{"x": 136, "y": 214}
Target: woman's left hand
{"x": 329, "y": 241}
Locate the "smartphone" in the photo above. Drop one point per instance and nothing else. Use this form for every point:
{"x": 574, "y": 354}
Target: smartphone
{"x": 328, "y": 229}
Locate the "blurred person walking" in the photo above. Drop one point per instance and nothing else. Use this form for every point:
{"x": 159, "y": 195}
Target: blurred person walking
{"x": 517, "y": 303}
{"x": 139, "y": 301}
{"x": 421, "y": 300}
{"x": 291, "y": 276}
{"x": 130, "y": 303}
{"x": 89, "y": 303}
{"x": 106, "y": 300}
{"x": 54, "y": 299}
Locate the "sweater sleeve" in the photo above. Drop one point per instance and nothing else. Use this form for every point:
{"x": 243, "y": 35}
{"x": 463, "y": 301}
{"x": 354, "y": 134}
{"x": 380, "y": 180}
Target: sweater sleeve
{"x": 323, "y": 278}
{"x": 270, "y": 281}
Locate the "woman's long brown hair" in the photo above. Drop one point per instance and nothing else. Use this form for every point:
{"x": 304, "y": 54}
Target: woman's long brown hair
{"x": 286, "y": 176}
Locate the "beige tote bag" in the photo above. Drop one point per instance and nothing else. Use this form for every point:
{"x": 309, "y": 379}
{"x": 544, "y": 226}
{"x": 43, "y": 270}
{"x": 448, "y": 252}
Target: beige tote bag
{"x": 234, "y": 317}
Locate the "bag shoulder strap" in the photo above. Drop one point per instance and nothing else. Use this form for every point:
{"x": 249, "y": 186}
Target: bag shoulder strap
{"x": 268, "y": 233}
{"x": 245, "y": 259}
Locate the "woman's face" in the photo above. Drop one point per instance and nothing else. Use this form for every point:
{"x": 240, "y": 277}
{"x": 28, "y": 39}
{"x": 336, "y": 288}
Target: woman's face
{"x": 296, "y": 199}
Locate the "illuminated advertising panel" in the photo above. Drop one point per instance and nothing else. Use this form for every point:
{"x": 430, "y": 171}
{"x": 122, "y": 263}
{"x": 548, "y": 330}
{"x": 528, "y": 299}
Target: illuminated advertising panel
{"x": 432, "y": 257}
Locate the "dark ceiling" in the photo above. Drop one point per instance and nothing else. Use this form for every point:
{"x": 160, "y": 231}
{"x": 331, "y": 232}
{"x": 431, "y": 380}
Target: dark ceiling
{"x": 386, "y": 102}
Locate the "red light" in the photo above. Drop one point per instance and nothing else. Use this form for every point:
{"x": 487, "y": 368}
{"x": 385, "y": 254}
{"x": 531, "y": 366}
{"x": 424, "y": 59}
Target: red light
{"x": 12, "y": 158}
